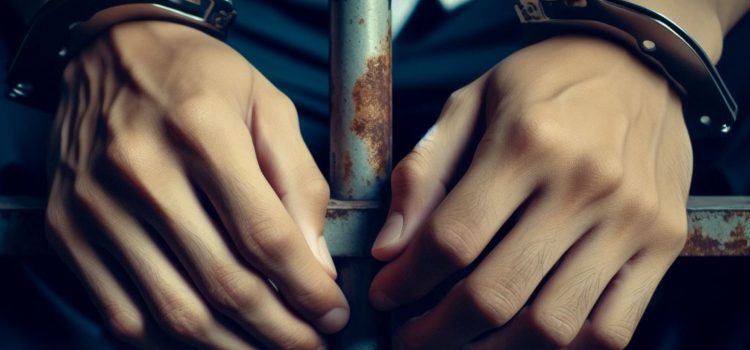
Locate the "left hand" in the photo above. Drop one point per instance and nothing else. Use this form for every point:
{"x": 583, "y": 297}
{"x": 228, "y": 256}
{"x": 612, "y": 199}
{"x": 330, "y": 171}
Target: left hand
{"x": 589, "y": 146}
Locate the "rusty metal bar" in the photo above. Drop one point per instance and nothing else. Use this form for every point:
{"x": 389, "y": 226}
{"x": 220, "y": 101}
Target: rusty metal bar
{"x": 360, "y": 98}
{"x": 360, "y": 158}
{"x": 717, "y": 226}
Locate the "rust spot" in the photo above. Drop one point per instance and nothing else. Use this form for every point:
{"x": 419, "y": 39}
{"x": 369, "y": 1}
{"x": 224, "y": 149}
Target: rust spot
{"x": 361, "y": 21}
{"x": 372, "y": 103}
{"x": 737, "y": 242}
{"x": 700, "y": 243}
{"x": 347, "y": 165}
{"x": 334, "y": 214}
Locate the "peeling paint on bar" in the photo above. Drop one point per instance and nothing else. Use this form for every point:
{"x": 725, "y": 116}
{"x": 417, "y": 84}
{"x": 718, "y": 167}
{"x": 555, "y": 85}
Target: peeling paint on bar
{"x": 718, "y": 226}
{"x": 361, "y": 95}
{"x": 360, "y": 158}
{"x": 351, "y": 227}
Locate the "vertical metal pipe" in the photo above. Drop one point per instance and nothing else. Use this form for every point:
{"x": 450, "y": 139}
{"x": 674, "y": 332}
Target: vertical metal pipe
{"x": 361, "y": 79}
{"x": 360, "y": 98}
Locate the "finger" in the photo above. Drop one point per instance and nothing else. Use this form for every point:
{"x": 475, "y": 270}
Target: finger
{"x": 179, "y": 307}
{"x": 456, "y": 232}
{"x": 565, "y": 301}
{"x": 616, "y": 316}
{"x": 262, "y": 229}
{"x": 419, "y": 181}
{"x": 291, "y": 170}
{"x": 614, "y": 320}
{"x": 517, "y": 334}
{"x": 502, "y": 283}
{"x": 122, "y": 314}
{"x": 62, "y": 135}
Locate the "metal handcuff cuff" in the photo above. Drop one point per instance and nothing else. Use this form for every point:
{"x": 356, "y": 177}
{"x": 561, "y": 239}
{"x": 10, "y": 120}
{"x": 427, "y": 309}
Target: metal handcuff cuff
{"x": 61, "y": 28}
{"x": 708, "y": 106}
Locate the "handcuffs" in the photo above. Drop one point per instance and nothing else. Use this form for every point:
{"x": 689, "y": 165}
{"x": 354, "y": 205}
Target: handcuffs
{"x": 63, "y": 27}
{"x": 708, "y": 105}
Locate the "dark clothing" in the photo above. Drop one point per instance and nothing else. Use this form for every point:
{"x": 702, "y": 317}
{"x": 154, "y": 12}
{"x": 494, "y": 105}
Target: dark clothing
{"x": 43, "y": 306}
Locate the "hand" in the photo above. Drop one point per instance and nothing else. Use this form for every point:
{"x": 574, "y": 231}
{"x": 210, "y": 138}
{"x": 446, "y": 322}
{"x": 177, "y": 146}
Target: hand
{"x": 589, "y": 147}
{"x": 183, "y": 163}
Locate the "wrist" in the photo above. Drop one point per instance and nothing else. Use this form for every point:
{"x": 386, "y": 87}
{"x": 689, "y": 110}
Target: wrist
{"x": 165, "y": 36}
{"x": 701, "y": 19}
{"x": 603, "y": 59}
{"x": 62, "y": 28}
{"x": 707, "y": 21}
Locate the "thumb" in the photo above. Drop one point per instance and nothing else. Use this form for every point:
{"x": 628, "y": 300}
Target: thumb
{"x": 419, "y": 181}
{"x": 290, "y": 169}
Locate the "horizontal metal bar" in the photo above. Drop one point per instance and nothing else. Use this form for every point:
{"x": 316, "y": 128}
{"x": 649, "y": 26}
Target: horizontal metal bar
{"x": 717, "y": 226}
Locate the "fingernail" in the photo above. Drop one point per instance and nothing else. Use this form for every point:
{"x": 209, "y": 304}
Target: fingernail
{"x": 334, "y": 320}
{"x": 391, "y": 232}
{"x": 325, "y": 255}
{"x": 381, "y": 301}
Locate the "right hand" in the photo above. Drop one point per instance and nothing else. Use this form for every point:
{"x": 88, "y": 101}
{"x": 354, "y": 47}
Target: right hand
{"x": 183, "y": 187}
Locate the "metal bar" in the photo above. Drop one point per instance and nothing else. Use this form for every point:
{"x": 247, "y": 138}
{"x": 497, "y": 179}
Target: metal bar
{"x": 22, "y": 226}
{"x": 717, "y": 226}
{"x": 360, "y": 98}
{"x": 360, "y": 158}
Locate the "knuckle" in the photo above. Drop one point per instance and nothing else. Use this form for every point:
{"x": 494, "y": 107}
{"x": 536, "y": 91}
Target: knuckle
{"x": 116, "y": 152}
{"x": 128, "y": 326}
{"x": 193, "y": 112}
{"x": 315, "y": 186}
{"x": 267, "y": 241}
{"x": 413, "y": 169}
{"x": 135, "y": 162}
{"x": 616, "y": 337}
{"x": 232, "y": 292}
{"x": 296, "y": 341}
{"x": 281, "y": 106}
{"x": 126, "y": 155}
{"x": 315, "y": 295}
{"x": 532, "y": 132}
{"x": 456, "y": 97}
{"x": 285, "y": 105}
{"x": 449, "y": 239}
{"x": 638, "y": 205}
{"x": 558, "y": 326}
{"x": 83, "y": 191}
{"x": 57, "y": 227}
{"x": 193, "y": 122}
{"x": 673, "y": 229}
{"x": 598, "y": 174}
{"x": 184, "y": 320}
{"x": 497, "y": 303}
{"x": 185, "y": 325}
{"x": 55, "y": 218}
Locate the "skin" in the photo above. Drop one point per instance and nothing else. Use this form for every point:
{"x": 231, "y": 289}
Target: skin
{"x": 190, "y": 225}
{"x": 173, "y": 204}
{"x": 590, "y": 150}
{"x": 604, "y": 178}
